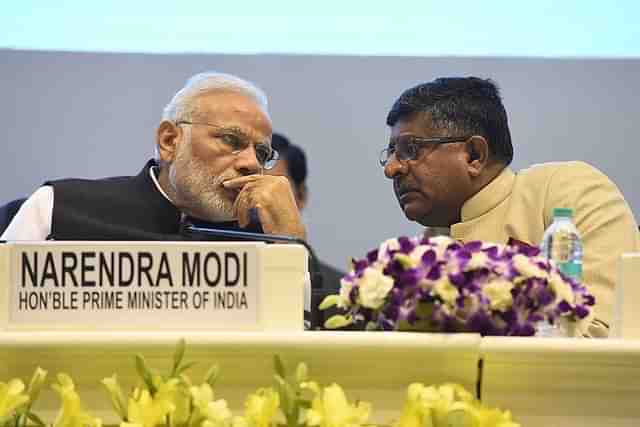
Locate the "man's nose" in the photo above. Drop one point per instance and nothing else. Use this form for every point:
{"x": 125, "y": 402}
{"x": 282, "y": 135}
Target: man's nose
{"x": 247, "y": 162}
{"x": 394, "y": 167}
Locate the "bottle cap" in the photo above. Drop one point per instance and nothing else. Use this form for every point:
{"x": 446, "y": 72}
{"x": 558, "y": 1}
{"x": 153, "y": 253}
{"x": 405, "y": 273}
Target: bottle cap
{"x": 563, "y": 212}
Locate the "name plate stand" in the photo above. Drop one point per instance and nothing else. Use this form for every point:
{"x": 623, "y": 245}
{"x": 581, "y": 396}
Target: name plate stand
{"x": 227, "y": 286}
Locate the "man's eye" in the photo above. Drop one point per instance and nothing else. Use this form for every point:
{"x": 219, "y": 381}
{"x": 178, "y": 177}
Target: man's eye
{"x": 263, "y": 153}
{"x": 232, "y": 141}
{"x": 411, "y": 148}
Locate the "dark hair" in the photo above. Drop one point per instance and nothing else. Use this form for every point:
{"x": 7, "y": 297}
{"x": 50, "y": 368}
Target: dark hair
{"x": 296, "y": 159}
{"x": 464, "y": 104}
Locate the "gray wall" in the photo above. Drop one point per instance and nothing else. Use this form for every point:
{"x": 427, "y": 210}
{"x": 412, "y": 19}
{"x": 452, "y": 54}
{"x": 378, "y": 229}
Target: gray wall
{"x": 94, "y": 115}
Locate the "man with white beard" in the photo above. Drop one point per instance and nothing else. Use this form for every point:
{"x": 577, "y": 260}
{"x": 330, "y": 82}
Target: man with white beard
{"x": 213, "y": 143}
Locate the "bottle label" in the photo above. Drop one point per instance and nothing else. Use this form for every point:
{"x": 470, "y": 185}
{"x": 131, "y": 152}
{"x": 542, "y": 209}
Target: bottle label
{"x": 571, "y": 269}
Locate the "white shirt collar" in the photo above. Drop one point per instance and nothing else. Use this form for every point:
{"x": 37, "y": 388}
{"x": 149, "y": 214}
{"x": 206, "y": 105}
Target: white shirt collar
{"x": 152, "y": 173}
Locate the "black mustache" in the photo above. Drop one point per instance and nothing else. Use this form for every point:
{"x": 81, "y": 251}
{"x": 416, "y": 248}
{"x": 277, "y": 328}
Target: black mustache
{"x": 402, "y": 187}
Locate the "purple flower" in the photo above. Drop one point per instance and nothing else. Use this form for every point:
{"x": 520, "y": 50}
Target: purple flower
{"x": 564, "y": 307}
{"x": 473, "y": 246}
{"x": 409, "y": 277}
{"x": 434, "y": 272}
{"x": 396, "y": 296}
{"x": 490, "y": 289}
{"x": 458, "y": 279}
{"x": 394, "y": 268}
{"x": 523, "y": 330}
{"x": 453, "y": 247}
{"x": 493, "y": 253}
{"x": 386, "y": 324}
{"x": 482, "y": 323}
{"x": 391, "y": 312}
{"x": 545, "y": 296}
{"x": 428, "y": 258}
{"x": 406, "y": 245}
{"x": 353, "y": 295}
{"x": 581, "y": 311}
{"x": 463, "y": 256}
{"x": 544, "y": 265}
{"x": 359, "y": 266}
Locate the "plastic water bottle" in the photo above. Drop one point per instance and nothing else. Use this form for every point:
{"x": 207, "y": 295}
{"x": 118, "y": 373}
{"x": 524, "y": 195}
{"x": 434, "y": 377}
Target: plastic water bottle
{"x": 561, "y": 243}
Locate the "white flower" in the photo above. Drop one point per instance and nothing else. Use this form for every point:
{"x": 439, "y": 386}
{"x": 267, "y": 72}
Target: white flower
{"x": 527, "y": 267}
{"x": 385, "y": 247}
{"x": 440, "y": 244}
{"x": 445, "y": 290}
{"x": 478, "y": 260}
{"x": 417, "y": 252}
{"x": 405, "y": 260}
{"x": 561, "y": 288}
{"x": 498, "y": 291}
{"x": 374, "y": 287}
{"x": 345, "y": 291}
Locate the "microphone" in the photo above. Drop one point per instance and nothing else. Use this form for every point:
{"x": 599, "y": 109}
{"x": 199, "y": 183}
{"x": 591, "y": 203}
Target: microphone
{"x": 314, "y": 319}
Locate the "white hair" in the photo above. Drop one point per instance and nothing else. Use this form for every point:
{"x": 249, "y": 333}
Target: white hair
{"x": 182, "y": 105}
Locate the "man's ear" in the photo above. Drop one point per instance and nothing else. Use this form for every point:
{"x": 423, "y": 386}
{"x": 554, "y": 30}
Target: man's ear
{"x": 478, "y": 154}
{"x": 166, "y": 139}
{"x": 301, "y": 195}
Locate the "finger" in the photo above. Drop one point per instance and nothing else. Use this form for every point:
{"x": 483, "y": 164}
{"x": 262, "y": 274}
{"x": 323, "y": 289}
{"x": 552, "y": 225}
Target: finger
{"x": 240, "y": 181}
{"x": 266, "y": 220}
{"x": 241, "y": 208}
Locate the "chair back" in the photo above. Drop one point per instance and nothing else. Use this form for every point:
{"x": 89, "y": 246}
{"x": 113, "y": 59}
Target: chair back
{"x": 8, "y": 211}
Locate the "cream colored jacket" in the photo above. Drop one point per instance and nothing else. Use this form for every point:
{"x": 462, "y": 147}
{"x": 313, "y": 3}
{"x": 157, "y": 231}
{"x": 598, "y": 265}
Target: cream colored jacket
{"x": 521, "y": 206}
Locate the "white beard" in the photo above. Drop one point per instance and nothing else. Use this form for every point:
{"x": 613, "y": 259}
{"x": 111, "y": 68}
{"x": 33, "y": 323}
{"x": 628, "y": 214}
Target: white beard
{"x": 198, "y": 191}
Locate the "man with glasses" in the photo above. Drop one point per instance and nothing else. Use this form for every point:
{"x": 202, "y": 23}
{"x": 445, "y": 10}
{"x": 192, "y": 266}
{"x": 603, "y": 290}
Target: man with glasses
{"x": 449, "y": 155}
{"x": 212, "y": 145}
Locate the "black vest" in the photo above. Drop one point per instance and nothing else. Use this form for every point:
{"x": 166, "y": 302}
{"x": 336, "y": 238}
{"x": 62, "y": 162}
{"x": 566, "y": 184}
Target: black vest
{"x": 117, "y": 208}
{"x": 132, "y": 208}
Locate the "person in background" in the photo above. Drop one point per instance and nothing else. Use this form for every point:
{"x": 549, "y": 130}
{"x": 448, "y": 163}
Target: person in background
{"x": 293, "y": 165}
{"x": 448, "y": 157}
{"x": 213, "y": 143}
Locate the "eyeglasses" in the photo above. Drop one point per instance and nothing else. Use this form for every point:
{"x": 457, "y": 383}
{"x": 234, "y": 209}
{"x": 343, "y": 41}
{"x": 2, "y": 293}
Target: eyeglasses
{"x": 237, "y": 142}
{"x": 408, "y": 147}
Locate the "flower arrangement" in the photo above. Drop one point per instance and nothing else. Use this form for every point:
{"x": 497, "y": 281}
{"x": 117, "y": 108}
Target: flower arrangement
{"x": 173, "y": 400}
{"x": 438, "y": 284}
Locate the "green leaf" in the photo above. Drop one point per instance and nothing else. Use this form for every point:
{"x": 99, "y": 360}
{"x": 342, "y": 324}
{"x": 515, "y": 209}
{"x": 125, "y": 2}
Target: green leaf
{"x": 338, "y": 321}
{"x": 185, "y": 367}
{"x": 304, "y": 403}
{"x": 212, "y": 375}
{"x": 371, "y": 326}
{"x": 302, "y": 372}
{"x": 35, "y": 419}
{"x": 329, "y": 301}
{"x": 6, "y": 420}
{"x": 403, "y": 259}
{"x": 279, "y": 366}
{"x": 145, "y": 373}
{"x": 178, "y": 355}
{"x": 284, "y": 396}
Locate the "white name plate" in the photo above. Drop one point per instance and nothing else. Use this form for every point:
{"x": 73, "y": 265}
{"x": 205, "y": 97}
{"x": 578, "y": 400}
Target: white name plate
{"x": 151, "y": 285}
{"x": 626, "y": 319}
